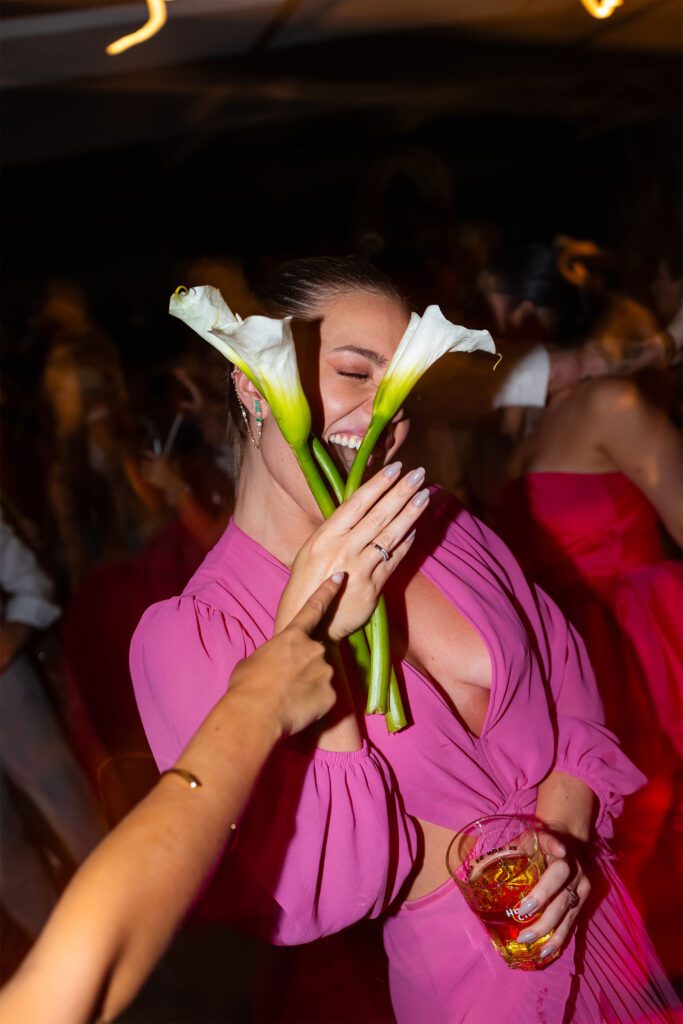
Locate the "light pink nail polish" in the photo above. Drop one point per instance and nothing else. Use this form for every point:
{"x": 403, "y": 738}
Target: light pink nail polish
{"x": 393, "y": 470}
{"x": 416, "y": 477}
{"x": 421, "y": 498}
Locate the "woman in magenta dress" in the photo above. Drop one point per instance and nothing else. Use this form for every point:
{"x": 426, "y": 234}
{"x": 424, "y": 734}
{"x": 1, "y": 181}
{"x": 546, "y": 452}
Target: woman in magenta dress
{"x": 589, "y": 483}
{"x": 505, "y": 716}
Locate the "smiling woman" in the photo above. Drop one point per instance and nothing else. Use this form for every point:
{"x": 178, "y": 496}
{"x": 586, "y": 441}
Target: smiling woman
{"x": 505, "y": 713}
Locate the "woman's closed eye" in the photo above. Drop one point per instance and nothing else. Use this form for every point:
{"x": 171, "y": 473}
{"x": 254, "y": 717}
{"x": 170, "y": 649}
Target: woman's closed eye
{"x": 354, "y": 376}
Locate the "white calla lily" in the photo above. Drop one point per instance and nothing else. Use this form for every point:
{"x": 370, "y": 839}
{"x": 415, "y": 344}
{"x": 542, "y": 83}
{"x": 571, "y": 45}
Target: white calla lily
{"x": 261, "y": 347}
{"x": 425, "y": 340}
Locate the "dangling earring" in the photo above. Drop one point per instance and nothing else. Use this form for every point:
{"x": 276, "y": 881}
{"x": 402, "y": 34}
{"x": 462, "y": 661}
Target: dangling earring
{"x": 256, "y": 441}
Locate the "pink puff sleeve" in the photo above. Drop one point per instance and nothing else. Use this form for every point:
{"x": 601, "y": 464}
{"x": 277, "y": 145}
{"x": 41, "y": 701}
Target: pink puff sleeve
{"x": 325, "y": 841}
{"x": 585, "y": 747}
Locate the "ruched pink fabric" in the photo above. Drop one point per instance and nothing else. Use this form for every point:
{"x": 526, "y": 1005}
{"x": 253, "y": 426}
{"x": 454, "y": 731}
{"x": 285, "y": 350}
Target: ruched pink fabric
{"x": 328, "y": 838}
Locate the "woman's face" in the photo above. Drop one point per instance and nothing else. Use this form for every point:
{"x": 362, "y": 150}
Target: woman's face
{"x": 357, "y": 334}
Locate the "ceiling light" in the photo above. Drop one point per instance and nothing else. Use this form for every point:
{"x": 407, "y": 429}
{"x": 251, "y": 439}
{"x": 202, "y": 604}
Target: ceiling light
{"x": 601, "y": 8}
{"x": 155, "y": 21}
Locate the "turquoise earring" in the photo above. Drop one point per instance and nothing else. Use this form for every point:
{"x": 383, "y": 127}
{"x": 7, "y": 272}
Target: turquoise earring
{"x": 255, "y": 439}
{"x": 259, "y": 424}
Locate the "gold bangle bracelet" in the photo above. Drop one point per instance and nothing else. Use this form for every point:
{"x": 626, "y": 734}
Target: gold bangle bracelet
{"x": 194, "y": 783}
{"x": 192, "y": 780}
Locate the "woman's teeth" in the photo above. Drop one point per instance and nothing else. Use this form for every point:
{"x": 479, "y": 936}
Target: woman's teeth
{"x": 346, "y": 440}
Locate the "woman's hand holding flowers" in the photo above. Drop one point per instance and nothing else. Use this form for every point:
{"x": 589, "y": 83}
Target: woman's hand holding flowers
{"x": 554, "y": 897}
{"x": 383, "y": 511}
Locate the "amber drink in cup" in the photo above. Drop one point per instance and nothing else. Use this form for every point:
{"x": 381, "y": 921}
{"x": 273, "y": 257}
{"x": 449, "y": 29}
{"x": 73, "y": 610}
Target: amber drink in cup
{"x": 495, "y": 862}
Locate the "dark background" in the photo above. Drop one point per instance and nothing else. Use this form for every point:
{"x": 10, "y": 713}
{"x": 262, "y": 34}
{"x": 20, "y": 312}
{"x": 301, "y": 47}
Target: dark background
{"x": 119, "y": 175}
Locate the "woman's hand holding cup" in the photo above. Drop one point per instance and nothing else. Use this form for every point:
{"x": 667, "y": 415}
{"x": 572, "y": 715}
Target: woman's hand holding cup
{"x": 558, "y": 897}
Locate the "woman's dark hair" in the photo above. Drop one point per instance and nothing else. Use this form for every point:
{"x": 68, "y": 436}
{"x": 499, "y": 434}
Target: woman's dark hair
{"x": 298, "y": 287}
{"x": 531, "y": 273}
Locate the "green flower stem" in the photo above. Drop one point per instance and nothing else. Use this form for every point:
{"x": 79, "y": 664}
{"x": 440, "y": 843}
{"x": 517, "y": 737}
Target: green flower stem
{"x": 364, "y": 452}
{"x": 314, "y": 480}
{"x": 329, "y": 468}
{"x": 361, "y": 653}
{"x": 382, "y": 677}
{"x": 380, "y": 665}
{"x": 395, "y": 716}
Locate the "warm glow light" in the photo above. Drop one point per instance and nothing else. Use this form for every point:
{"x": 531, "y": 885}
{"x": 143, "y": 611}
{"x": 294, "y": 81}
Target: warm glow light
{"x": 601, "y": 8}
{"x": 156, "y": 20}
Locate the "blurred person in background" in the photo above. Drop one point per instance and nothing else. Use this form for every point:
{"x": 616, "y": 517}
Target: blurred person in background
{"x": 199, "y": 482}
{"x": 36, "y": 761}
{"x": 101, "y": 513}
{"x": 194, "y": 464}
{"x": 666, "y": 290}
{"x": 101, "y": 506}
{"x": 404, "y": 222}
{"x": 593, "y": 476}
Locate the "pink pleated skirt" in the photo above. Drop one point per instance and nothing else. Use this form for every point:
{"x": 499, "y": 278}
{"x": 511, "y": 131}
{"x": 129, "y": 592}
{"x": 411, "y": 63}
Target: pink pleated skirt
{"x": 443, "y": 968}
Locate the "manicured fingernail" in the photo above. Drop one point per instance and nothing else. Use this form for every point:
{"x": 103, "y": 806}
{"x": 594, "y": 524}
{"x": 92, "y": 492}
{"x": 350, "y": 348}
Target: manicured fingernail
{"x": 546, "y": 951}
{"x": 421, "y": 498}
{"x": 337, "y": 577}
{"x": 393, "y": 470}
{"x": 416, "y": 477}
{"x": 527, "y": 936}
{"x": 527, "y": 906}
{"x": 411, "y": 536}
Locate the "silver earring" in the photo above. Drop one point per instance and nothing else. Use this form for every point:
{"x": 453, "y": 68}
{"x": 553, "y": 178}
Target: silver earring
{"x": 255, "y": 439}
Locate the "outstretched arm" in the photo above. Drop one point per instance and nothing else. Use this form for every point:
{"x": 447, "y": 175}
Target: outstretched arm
{"x": 120, "y": 910}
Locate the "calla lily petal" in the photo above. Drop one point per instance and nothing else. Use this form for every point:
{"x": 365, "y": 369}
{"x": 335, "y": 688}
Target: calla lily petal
{"x": 202, "y": 309}
{"x": 425, "y": 340}
{"x": 261, "y": 347}
{"x": 264, "y": 350}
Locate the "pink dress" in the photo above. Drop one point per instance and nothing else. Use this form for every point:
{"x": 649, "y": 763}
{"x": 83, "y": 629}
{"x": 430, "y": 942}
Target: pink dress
{"x": 328, "y": 839}
{"x": 592, "y": 542}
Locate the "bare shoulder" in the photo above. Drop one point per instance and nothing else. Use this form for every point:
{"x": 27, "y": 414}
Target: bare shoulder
{"x": 609, "y": 396}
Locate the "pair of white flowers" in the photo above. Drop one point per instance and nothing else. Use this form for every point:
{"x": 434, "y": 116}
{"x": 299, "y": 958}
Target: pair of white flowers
{"x": 263, "y": 349}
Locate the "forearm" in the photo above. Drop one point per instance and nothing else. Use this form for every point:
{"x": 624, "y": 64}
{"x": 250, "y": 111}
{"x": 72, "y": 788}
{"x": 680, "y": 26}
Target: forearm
{"x": 123, "y": 906}
{"x": 566, "y": 803}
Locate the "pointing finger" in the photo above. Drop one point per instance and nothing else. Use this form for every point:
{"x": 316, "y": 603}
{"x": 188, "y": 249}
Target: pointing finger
{"x": 309, "y": 616}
